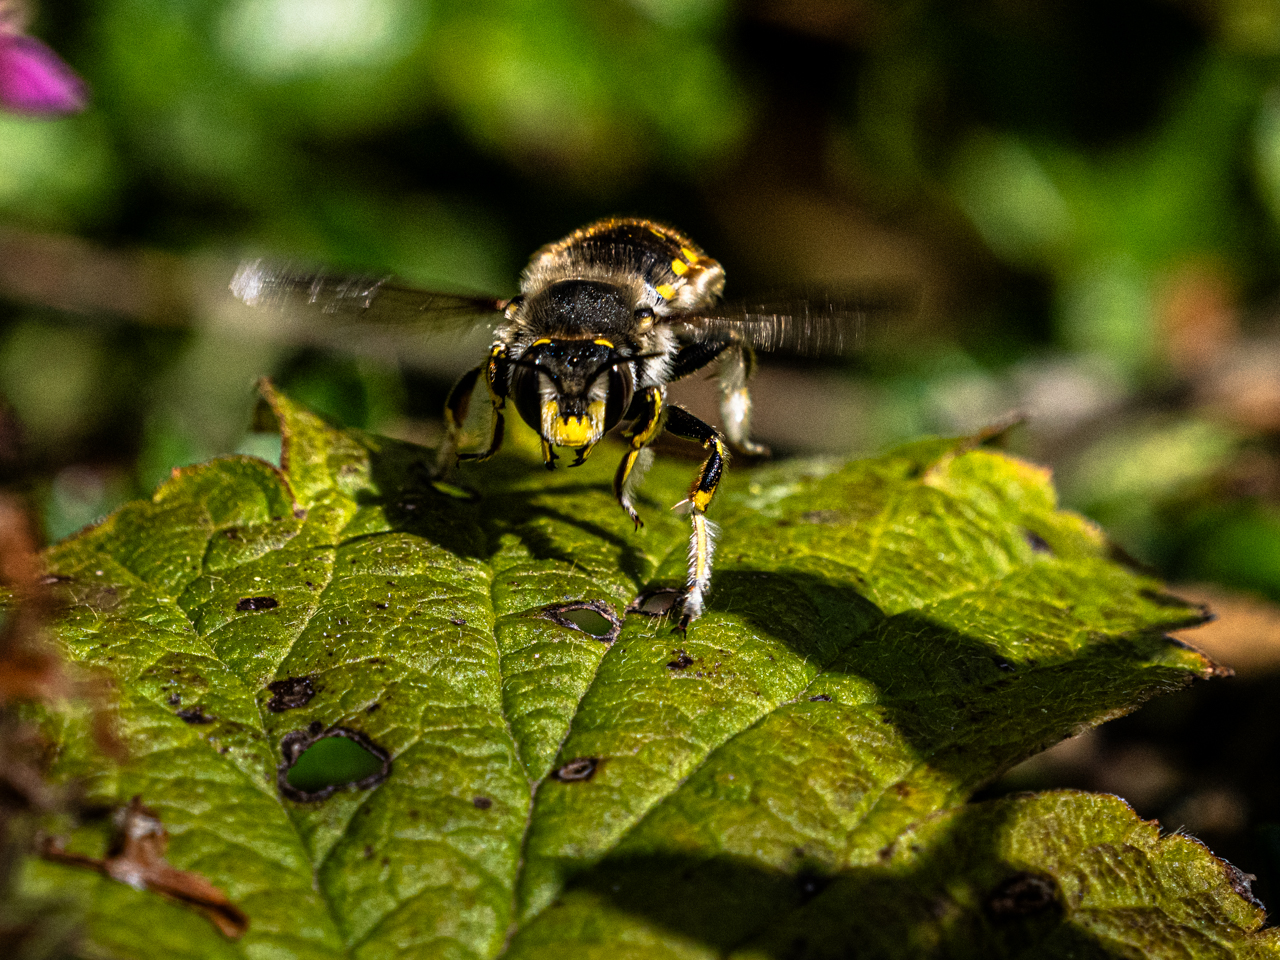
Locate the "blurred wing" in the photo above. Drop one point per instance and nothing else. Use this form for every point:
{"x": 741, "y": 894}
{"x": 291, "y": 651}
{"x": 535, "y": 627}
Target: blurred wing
{"x": 334, "y": 302}
{"x": 812, "y": 326}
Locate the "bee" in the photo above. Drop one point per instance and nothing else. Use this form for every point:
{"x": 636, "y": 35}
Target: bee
{"x": 605, "y": 319}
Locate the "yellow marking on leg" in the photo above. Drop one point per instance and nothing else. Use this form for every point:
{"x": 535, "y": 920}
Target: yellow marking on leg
{"x": 604, "y": 343}
{"x": 547, "y": 455}
{"x": 699, "y": 547}
{"x": 690, "y": 255}
{"x": 538, "y": 343}
{"x": 679, "y": 268}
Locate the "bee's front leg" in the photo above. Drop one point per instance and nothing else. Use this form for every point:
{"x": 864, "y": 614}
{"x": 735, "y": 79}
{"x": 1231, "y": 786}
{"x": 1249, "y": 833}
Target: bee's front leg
{"x": 646, "y": 428}
{"x": 456, "y": 411}
{"x": 702, "y": 539}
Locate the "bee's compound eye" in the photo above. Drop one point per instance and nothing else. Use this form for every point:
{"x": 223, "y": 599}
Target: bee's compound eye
{"x": 618, "y": 399}
{"x": 527, "y": 396}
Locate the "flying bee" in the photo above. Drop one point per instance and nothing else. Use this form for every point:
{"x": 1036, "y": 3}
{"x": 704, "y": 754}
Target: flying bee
{"x": 605, "y": 319}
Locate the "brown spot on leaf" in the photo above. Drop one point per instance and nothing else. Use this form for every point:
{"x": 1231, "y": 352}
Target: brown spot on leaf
{"x": 682, "y": 661}
{"x": 257, "y": 603}
{"x": 195, "y": 715}
{"x": 1037, "y": 543}
{"x": 1022, "y": 895}
{"x": 138, "y": 859}
{"x": 582, "y": 768}
{"x": 290, "y": 693}
{"x": 1242, "y": 883}
{"x": 823, "y": 697}
{"x": 481, "y": 803}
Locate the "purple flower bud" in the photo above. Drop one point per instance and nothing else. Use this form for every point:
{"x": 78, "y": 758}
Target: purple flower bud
{"x": 34, "y": 80}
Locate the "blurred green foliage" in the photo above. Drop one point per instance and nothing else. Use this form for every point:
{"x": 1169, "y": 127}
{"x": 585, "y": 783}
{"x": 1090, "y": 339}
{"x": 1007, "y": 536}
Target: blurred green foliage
{"x": 1061, "y": 172}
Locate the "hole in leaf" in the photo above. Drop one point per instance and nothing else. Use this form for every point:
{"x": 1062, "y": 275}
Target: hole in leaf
{"x": 589, "y": 621}
{"x": 316, "y": 765}
{"x": 681, "y": 662}
{"x": 257, "y": 603}
{"x": 655, "y": 603}
{"x": 289, "y": 693}
{"x": 592, "y": 617}
{"x": 583, "y": 768}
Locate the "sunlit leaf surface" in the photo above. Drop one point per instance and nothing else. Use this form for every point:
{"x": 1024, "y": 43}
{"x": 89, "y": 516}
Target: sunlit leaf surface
{"x": 517, "y": 776}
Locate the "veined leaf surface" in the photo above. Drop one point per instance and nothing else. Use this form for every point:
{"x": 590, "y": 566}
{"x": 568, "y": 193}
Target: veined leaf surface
{"x": 786, "y": 780}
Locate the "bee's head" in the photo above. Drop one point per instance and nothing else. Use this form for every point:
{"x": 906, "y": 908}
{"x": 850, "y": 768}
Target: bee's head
{"x": 572, "y": 391}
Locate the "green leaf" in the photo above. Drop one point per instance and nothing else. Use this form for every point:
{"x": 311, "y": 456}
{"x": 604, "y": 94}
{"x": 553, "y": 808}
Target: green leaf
{"x": 881, "y": 639}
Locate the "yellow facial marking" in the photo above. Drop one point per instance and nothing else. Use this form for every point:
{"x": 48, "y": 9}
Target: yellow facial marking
{"x": 538, "y": 343}
{"x": 679, "y": 268}
{"x": 689, "y": 255}
{"x": 563, "y": 431}
{"x": 665, "y": 291}
{"x": 572, "y": 432}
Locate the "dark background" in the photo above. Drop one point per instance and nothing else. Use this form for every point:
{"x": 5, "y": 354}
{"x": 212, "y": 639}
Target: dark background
{"x": 1078, "y": 199}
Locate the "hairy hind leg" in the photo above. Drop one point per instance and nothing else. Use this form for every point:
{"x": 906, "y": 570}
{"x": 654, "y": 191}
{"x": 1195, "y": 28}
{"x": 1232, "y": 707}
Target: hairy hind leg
{"x": 681, "y": 423}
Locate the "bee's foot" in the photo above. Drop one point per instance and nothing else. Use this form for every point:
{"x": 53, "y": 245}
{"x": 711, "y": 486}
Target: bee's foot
{"x": 635, "y": 517}
{"x": 749, "y": 448}
{"x": 689, "y": 607}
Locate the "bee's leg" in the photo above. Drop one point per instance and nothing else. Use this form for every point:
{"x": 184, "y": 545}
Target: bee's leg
{"x": 702, "y": 540}
{"x": 455, "y": 412}
{"x": 737, "y": 363}
{"x": 736, "y": 367}
{"x": 640, "y": 434}
{"x": 695, "y": 356}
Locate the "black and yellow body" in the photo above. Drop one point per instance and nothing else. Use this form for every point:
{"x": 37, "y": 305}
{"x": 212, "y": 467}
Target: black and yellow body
{"x": 590, "y": 342}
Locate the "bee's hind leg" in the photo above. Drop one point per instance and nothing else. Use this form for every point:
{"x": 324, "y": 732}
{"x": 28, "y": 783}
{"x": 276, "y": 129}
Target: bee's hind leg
{"x": 737, "y": 363}
{"x": 702, "y": 537}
